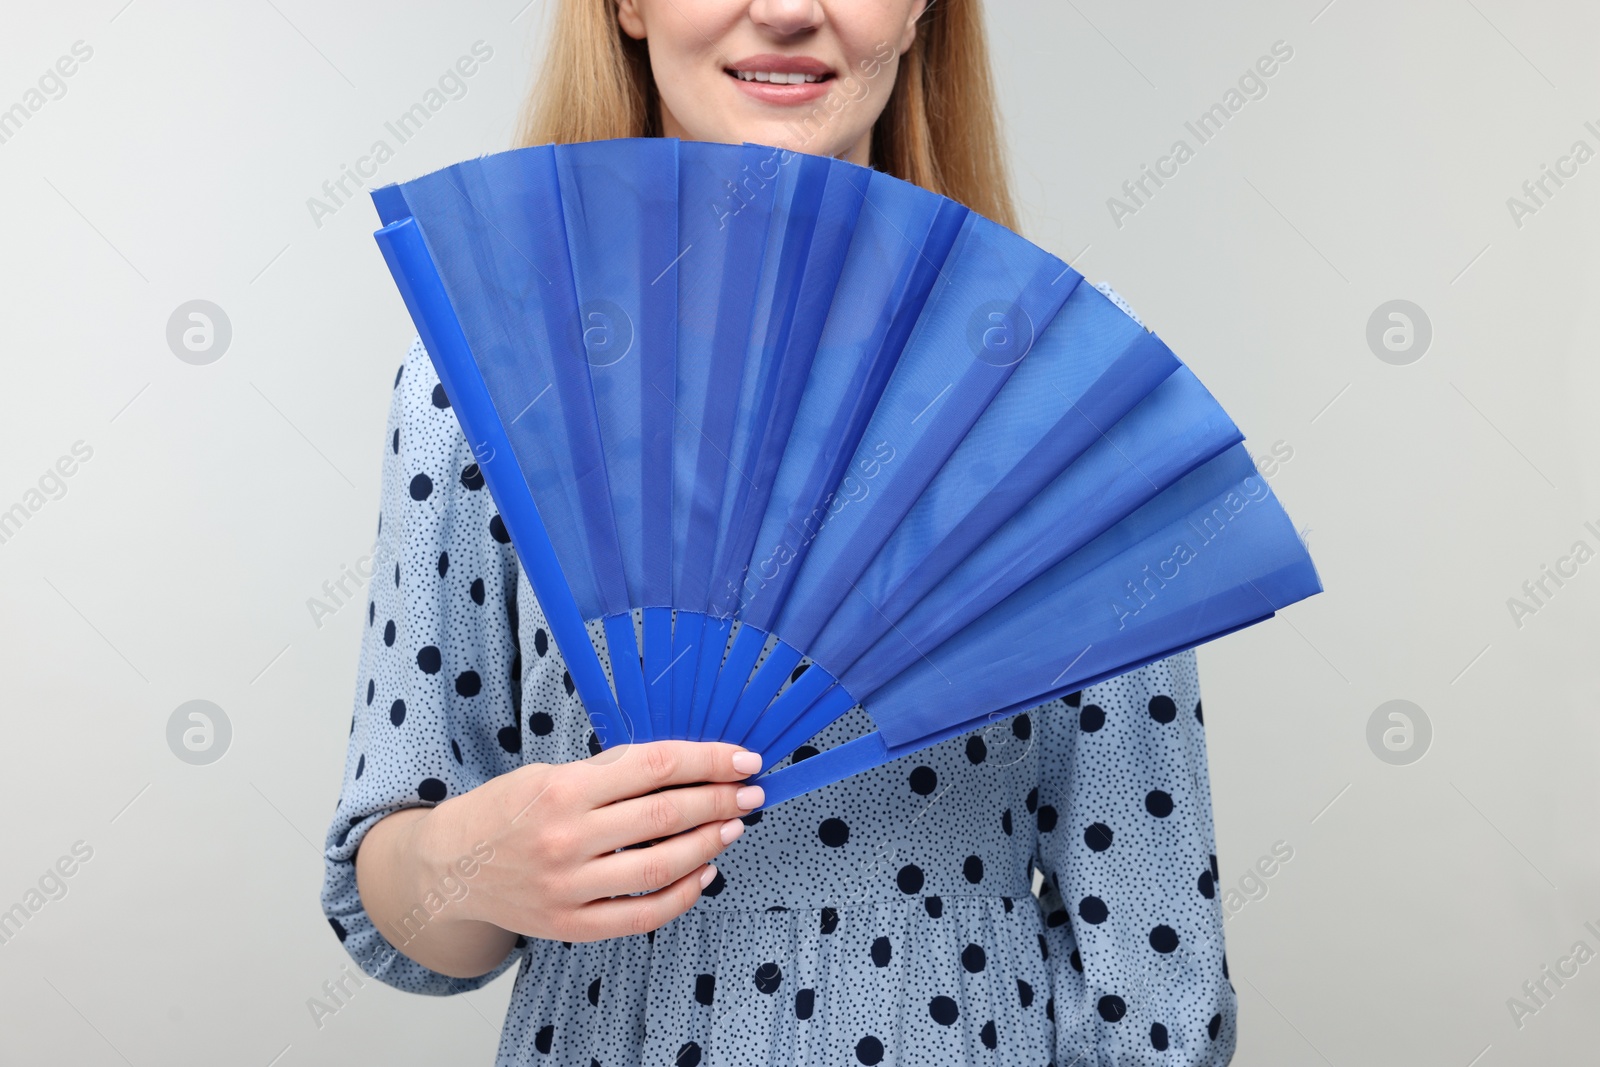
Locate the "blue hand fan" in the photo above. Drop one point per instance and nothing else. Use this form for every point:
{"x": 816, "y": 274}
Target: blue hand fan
{"x": 794, "y": 435}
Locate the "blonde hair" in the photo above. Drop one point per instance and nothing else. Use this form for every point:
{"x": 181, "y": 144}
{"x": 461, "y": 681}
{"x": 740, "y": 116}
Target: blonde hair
{"x": 940, "y": 128}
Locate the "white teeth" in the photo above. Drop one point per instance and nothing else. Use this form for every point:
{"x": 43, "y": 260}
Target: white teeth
{"x": 774, "y": 77}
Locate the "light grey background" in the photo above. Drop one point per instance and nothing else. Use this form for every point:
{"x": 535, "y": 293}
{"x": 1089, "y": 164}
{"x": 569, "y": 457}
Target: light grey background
{"x": 178, "y": 564}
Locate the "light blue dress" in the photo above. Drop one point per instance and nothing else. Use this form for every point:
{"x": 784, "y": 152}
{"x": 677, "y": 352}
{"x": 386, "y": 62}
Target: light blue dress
{"x": 886, "y": 919}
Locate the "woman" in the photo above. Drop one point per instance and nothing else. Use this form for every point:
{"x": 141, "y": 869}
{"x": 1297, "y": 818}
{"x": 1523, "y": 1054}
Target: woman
{"x": 889, "y": 918}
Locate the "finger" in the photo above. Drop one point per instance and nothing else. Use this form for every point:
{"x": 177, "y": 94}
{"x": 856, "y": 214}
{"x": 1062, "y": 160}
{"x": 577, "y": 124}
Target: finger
{"x": 650, "y": 869}
{"x": 636, "y": 769}
{"x": 668, "y": 812}
{"x": 641, "y": 914}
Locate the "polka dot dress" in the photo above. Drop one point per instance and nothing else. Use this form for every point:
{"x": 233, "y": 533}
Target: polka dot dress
{"x": 886, "y": 919}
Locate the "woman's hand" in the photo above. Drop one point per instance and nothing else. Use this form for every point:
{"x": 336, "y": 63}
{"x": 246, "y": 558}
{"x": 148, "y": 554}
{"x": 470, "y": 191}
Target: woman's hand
{"x": 555, "y": 851}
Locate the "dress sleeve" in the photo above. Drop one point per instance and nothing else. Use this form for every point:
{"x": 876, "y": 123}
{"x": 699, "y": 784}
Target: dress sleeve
{"x": 1127, "y": 849}
{"x": 437, "y": 698}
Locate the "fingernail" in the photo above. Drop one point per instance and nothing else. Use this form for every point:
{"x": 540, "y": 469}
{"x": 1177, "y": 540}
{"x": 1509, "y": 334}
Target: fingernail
{"x": 750, "y": 796}
{"x": 705, "y": 876}
{"x": 731, "y": 829}
{"x": 747, "y": 762}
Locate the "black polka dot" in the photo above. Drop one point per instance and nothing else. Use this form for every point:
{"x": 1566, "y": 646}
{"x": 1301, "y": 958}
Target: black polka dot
{"x": 429, "y": 659}
{"x": 1097, "y": 836}
{"x": 388, "y": 633}
{"x": 973, "y": 958}
{"x": 469, "y": 683}
{"x": 541, "y": 642}
{"x": 338, "y": 929}
{"x": 769, "y": 976}
{"x": 1022, "y": 727}
{"x": 394, "y": 445}
{"x": 1092, "y": 910}
{"x": 830, "y": 920}
{"x": 372, "y": 687}
{"x": 497, "y": 530}
{"x": 1024, "y": 993}
{"x": 943, "y": 1010}
{"x": 1047, "y": 819}
{"x": 540, "y": 723}
{"x": 1214, "y": 1027}
{"x": 1158, "y": 1037}
{"x": 431, "y": 790}
{"x": 475, "y": 591}
{"x": 988, "y": 1035}
{"x": 397, "y": 712}
{"x": 455, "y": 750}
{"x": 977, "y": 751}
{"x": 705, "y": 989}
{"x": 1005, "y": 822}
{"x": 421, "y": 487}
{"x": 471, "y": 477}
{"x": 909, "y": 879}
{"x": 594, "y": 993}
{"x": 805, "y": 1002}
{"x": 803, "y": 752}
{"x": 972, "y": 869}
{"x": 933, "y": 905}
{"x": 1158, "y": 802}
{"x": 869, "y": 1050}
{"x": 361, "y": 764}
{"x": 1162, "y": 708}
{"x": 439, "y": 399}
{"x": 688, "y": 1055}
{"x": 881, "y": 951}
{"x": 1091, "y": 718}
{"x": 510, "y": 738}
{"x": 833, "y": 832}
{"x": 1164, "y": 938}
{"x": 1111, "y": 1008}
{"x": 924, "y": 780}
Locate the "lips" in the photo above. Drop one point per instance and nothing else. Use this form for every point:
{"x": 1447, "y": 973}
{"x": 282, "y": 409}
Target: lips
{"x": 779, "y": 79}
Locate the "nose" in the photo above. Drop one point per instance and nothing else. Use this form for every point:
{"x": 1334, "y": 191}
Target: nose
{"x": 786, "y": 18}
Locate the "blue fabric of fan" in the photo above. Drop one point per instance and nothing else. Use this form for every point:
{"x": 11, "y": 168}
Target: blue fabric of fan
{"x": 783, "y": 404}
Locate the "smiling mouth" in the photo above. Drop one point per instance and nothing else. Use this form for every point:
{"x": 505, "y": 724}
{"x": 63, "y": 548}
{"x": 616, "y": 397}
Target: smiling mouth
{"x": 774, "y": 77}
